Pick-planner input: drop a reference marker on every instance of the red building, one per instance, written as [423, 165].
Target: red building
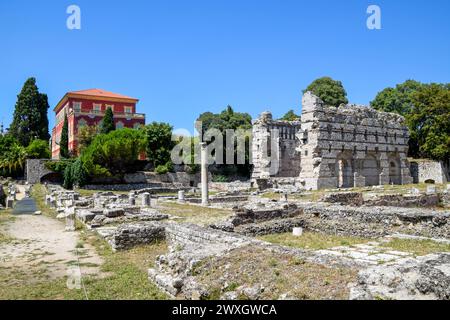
[87, 108]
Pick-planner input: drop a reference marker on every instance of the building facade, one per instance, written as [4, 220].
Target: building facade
[348, 146]
[87, 108]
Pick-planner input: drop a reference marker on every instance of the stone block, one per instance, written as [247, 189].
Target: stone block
[114, 213]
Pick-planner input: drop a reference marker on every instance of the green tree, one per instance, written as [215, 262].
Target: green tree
[229, 119]
[429, 120]
[30, 115]
[64, 142]
[398, 99]
[331, 92]
[159, 143]
[290, 116]
[38, 149]
[12, 162]
[114, 153]
[107, 124]
[86, 135]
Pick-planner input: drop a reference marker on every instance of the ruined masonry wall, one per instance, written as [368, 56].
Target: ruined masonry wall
[283, 150]
[351, 146]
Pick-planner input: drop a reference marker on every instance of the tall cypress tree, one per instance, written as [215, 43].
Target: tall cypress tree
[108, 122]
[30, 115]
[64, 142]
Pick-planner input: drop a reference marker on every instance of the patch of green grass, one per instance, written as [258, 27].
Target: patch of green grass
[194, 213]
[312, 240]
[417, 247]
[126, 272]
[38, 193]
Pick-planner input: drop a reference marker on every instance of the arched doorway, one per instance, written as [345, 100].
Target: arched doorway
[52, 178]
[394, 171]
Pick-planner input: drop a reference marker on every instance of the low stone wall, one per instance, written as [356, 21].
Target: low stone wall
[131, 235]
[372, 222]
[353, 198]
[406, 201]
[219, 199]
[246, 215]
[270, 227]
[234, 186]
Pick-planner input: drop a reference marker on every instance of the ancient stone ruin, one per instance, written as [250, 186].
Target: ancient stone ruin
[348, 146]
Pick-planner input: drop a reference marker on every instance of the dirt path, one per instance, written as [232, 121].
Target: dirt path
[39, 249]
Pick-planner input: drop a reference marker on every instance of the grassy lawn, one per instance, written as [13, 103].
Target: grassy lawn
[417, 247]
[125, 272]
[193, 213]
[312, 240]
[278, 273]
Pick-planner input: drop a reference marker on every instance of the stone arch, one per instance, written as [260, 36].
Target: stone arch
[52, 177]
[371, 170]
[395, 176]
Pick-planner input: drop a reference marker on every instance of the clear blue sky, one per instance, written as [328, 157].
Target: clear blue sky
[181, 58]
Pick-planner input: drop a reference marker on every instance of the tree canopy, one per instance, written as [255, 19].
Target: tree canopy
[290, 116]
[429, 121]
[107, 124]
[228, 119]
[159, 143]
[38, 149]
[331, 91]
[30, 115]
[398, 99]
[113, 153]
[64, 141]
[426, 108]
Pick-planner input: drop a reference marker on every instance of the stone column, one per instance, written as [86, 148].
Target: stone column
[204, 173]
[9, 202]
[341, 174]
[181, 196]
[70, 219]
[132, 199]
[146, 201]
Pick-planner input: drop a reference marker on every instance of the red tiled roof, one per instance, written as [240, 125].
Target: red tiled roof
[101, 93]
[94, 93]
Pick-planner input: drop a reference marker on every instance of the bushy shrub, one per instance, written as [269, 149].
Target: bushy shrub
[79, 173]
[113, 153]
[166, 168]
[38, 149]
[161, 169]
[58, 166]
[75, 174]
[68, 180]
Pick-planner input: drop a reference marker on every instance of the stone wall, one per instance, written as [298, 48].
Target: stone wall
[128, 236]
[351, 146]
[348, 146]
[425, 170]
[36, 170]
[373, 222]
[277, 158]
